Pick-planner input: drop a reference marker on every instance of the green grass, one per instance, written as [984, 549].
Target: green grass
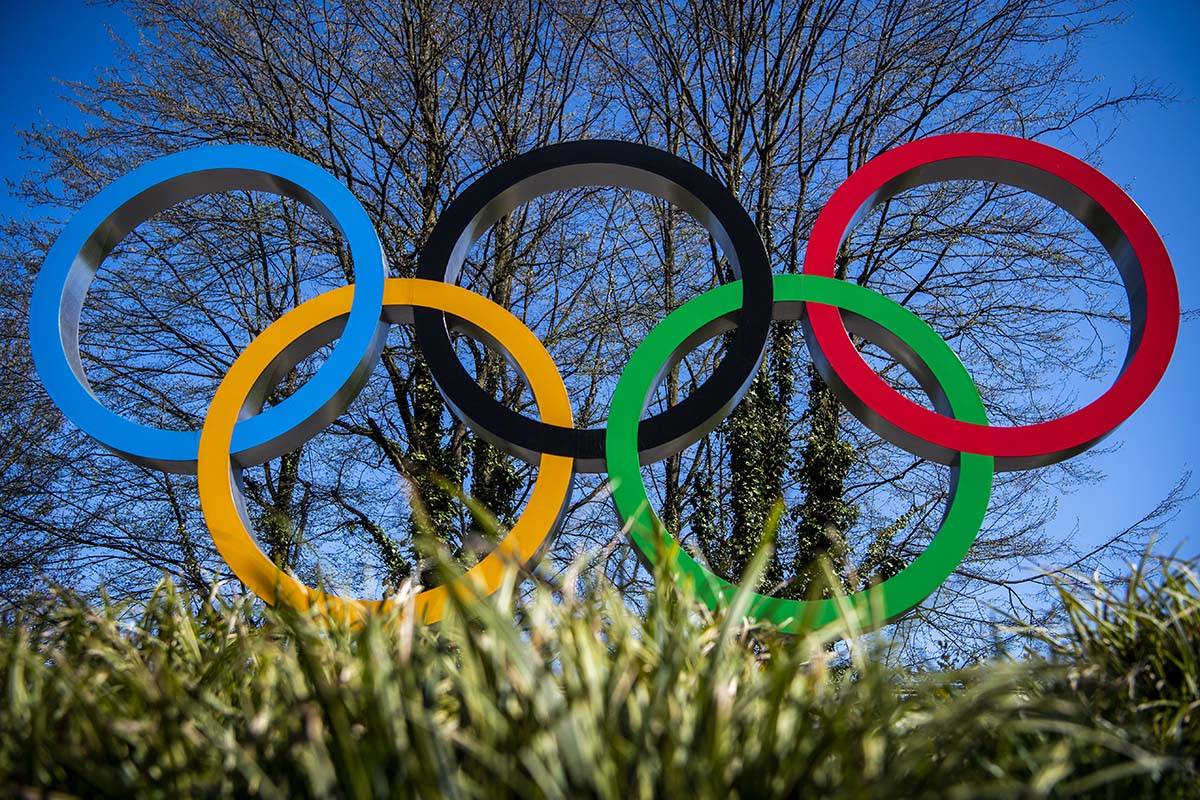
[581, 697]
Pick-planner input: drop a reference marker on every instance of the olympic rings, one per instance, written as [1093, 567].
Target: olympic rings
[1070, 184]
[597, 163]
[103, 222]
[297, 334]
[956, 433]
[936, 367]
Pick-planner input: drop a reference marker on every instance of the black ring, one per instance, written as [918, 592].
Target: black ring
[571, 165]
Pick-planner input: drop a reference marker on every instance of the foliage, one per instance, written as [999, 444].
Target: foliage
[1146, 646]
[571, 694]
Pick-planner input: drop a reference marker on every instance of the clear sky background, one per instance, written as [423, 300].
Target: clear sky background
[1154, 156]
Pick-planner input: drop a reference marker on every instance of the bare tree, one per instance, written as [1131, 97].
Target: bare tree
[407, 103]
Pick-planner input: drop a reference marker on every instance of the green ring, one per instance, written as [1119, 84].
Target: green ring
[873, 606]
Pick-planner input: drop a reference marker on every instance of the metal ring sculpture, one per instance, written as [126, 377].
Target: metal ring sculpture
[238, 432]
[604, 163]
[100, 226]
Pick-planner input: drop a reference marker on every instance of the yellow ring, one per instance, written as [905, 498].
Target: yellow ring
[220, 499]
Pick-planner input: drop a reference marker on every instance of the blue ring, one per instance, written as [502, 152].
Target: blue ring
[92, 233]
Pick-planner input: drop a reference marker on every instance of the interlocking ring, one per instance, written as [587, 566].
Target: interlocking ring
[597, 163]
[103, 222]
[955, 433]
[936, 368]
[296, 335]
[1073, 186]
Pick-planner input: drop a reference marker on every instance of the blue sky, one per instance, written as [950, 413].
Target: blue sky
[1153, 156]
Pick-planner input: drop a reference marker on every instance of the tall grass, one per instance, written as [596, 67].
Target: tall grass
[581, 697]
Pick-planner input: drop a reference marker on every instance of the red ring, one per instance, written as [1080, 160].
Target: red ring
[1044, 442]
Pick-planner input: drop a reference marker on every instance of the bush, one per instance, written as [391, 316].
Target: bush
[567, 697]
